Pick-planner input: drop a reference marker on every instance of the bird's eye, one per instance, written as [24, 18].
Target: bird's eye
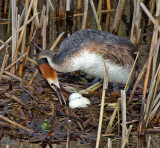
[52, 84]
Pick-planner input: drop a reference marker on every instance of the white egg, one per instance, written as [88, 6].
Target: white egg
[74, 95]
[76, 100]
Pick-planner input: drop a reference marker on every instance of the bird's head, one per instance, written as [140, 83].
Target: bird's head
[50, 75]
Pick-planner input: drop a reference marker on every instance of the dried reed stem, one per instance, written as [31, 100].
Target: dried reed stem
[148, 14]
[126, 139]
[35, 2]
[109, 143]
[99, 11]
[142, 72]
[123, 106]
[15, 124]
[79, 5]
[56, 41]
[14, 28]
[13, 76]
[136, 31]
[20, 29]
[34, 76]
[5, 60]
[23, 42]
[85, 14]
[22, 32]
[29, 45]
[95, 15]
[105, 85]
[112, 118]
[68, 133]
[154, 40]
[131, 71]
[22, 56]
[108, 14]
[118, 16]
[149, 142]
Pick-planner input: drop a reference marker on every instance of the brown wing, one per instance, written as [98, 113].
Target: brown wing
[118, 53]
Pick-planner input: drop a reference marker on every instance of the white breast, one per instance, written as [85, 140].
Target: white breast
[93, 64]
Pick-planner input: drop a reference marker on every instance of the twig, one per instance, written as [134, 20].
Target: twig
[22, 56]
[16, 99]
[13, 76]
[34, 76]
[15, 124]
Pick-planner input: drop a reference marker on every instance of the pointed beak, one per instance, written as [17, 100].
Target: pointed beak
[51, 76]
[54, 84]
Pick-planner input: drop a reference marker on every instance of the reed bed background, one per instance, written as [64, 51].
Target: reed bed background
[28, 22]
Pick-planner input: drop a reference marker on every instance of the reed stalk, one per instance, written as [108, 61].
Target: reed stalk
[9, 20]
[95, 15]
[22, 56]
[136, 31]
[35, 2]
[155, 106]
[154, 40]
[109, 143]
[85, 14]
[56, 41]
[148, 14]
[108, 2]
[156, 55]
[123, 106]
[14, 28]
[105, 86]
[41, 18]
[126, 139]
[79, 4]
[22, 32]
[112, 117]
[5, 60]
[142, 72]
[44, 32]
[5, 7]
[118, 16]
[99, 11]
[151, 97]
[149, 142]
[20, 29]
[151, 8]
[29, 44]
[23, 42]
